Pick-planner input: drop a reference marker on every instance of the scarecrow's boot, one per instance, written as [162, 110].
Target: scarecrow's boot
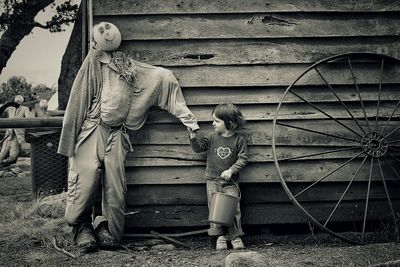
[104, 238]
[84, 238]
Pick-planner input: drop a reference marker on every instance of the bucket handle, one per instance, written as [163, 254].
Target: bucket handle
[237, 186]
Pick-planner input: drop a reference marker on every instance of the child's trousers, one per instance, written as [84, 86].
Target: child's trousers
[235, 230]
[99, 154]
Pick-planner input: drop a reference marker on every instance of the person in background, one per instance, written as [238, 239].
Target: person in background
[53, 101]
[43, 105]
[14, 138]
[226, 156]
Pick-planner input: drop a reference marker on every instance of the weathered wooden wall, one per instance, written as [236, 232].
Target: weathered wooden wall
[248, 52]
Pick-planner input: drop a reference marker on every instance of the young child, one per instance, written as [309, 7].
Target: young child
[226, 156]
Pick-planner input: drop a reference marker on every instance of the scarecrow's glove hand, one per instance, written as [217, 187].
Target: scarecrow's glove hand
[192, 134]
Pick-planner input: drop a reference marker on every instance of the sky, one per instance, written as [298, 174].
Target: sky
[38, 56]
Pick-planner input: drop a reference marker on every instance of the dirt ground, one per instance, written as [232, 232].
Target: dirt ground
[25, 240]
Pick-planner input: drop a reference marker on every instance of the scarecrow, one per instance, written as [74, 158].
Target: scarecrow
[111, 93]
[13, 138]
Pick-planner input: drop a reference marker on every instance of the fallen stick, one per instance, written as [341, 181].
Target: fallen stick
[127, 250]
[171, 239]
[387, 264]
[195, 232]
[62, 250]
[124, 247]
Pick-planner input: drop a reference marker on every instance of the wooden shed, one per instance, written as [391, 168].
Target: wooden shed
[247, 53]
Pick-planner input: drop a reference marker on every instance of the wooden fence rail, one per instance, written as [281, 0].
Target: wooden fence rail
[42, 122]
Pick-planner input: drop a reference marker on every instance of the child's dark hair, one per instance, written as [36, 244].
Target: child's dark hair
[231, 116]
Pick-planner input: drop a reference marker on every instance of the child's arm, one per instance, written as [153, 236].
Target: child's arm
[242, 159]
[198, 144]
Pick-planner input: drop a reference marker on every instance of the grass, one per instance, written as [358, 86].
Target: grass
[388, 230]
[36, 223]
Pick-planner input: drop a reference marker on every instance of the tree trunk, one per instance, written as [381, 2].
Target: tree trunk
[15, 32]
[71, 62]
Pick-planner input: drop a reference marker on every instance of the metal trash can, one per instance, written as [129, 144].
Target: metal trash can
[49, 170]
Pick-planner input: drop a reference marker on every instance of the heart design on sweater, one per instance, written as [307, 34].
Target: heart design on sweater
[223, 152]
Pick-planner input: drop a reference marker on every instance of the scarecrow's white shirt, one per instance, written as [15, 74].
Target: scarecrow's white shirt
[115, 97]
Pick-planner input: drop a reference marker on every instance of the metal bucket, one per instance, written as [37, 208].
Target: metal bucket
[223, 208]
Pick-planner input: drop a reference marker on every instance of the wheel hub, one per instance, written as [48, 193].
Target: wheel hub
[374, 145]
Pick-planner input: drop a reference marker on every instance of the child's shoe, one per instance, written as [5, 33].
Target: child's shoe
[237, 243]
[221, 243]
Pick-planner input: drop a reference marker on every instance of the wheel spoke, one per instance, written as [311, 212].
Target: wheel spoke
[338, 98]
[393, 157]
[317, 132]
[345, 191]
[395, 149]
[323, 112]
[379, 94]
[388, 198]
[391, 115]
[358, 92]
[393, 141]
[393, 170]
[330, 173]
[367, 199]
[392, 132]
[320, 153]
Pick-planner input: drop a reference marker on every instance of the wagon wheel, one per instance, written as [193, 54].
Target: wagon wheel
[336, 143]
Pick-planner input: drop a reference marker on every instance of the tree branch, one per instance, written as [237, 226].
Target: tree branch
[17, 20]
[61, 249]
[59, 22]
[39, 25]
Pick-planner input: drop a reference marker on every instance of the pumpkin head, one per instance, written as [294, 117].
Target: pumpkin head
[106, 36]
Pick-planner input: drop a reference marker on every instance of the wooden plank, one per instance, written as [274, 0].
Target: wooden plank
[272, 95]
[267, 25]
[146, 7]
[289, 111]
[279, 75]
[42, 122]
[166, 216]
[283, 134]
[197, 96]
[255, 214]
[349, 211]
[256, 153]
[177, 172]
[255, 133]
[254, 51]
[183, 153]
[264, 193]
[84, 29]
[195, 194]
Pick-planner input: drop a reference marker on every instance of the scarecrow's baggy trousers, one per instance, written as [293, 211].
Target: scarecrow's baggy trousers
[99, 156]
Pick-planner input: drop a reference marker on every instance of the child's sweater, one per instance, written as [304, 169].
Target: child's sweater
[223, 153]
